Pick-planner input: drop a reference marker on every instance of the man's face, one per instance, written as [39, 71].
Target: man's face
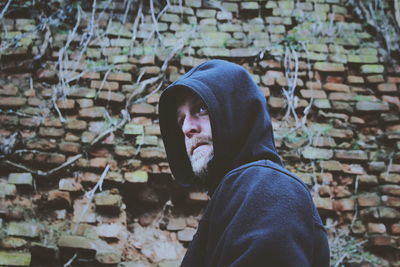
[194, 121]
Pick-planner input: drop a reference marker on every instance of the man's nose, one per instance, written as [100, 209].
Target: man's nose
[190, 126]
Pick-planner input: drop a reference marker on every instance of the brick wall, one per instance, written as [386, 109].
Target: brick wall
[84, 175]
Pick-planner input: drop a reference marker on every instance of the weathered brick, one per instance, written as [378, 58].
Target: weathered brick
[12, 101]
[368, 200]
[186, 235]
[111, 96]
[69, 147]
[55, 158]
[345, 204]
[391, 178]
[317, 153]
[351, 154]
[362, 59]
[143, 108]
[393, 190]
[341, 133]
[323, 203]
[133, 128]
[120, 76]
[51, 132]
[153, 153]
[66, 104]
[336, 87]
[372, 106]
[316, 94]
[104, 85]
[70, 184]
[387, 87]
[368, 69]
[10, 120]
[73, 124]
[23, 229]
[329, 67]
[125, 151]
[391, 201]
[376, 228]
[94, 112]
[136, 176]
[59, 199]
[367, 179]
[11, 258]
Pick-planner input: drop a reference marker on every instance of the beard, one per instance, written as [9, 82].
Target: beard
[201, 156]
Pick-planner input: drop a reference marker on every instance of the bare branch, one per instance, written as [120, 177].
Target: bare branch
[3, 12]
[45, 173]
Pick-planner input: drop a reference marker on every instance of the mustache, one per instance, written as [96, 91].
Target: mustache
[198, 140]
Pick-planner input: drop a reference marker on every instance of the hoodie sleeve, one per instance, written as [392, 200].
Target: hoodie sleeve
[262, 217]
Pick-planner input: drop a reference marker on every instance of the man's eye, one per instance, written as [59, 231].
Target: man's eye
[203, 110]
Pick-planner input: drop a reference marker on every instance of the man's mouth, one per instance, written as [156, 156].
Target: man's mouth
[196, 146]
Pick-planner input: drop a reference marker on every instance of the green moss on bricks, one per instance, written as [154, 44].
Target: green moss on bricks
[132, 128]
[136, 177]
[15, 258]
[366, 69]
[362, 58]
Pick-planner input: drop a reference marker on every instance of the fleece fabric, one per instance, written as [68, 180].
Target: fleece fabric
[259, 214]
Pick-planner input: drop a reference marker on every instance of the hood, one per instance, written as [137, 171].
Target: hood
[240, 122]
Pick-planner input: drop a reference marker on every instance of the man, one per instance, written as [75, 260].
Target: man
[216, 128]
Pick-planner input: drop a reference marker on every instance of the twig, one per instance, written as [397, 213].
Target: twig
[3, 12]
[45, 173]
[125, 118]
[90, 194]
[71, 260]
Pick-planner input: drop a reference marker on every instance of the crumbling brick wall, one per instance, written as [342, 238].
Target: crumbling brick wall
[84, 175]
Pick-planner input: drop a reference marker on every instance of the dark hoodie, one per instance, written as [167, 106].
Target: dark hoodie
[259, 213]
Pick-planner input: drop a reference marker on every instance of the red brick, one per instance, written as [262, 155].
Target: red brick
[12, 101]
[55, 158]
[91, 75]
[387, 87]
[8, 120]
[72, 124]
[393, 79]
[345, 204]
[66, 104]
[85, 103]
[351, 154]
[9, 89]
[317, 94]
[94, 112]
[70, 184]
[98, 163]
[51, 132]
[342, 96]
[336, 87]
[152, 129]
[36, 102]
[41, 144]
[375, 79]
[334, 79]
[59, 199]
[342, 191]
[153, 153]
[110, 96]
[395, 229]
[100, 152]
[314, 85]
[393, 190]
[69, 147]
[376, 228]
[381, 240]
[368, 200]
[153, 99]
[392, 100]
[52, 122]
[120, 76]
[151, 70]
[113, 86]
[391, 201]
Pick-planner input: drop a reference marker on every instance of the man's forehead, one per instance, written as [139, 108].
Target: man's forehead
[187, 97]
